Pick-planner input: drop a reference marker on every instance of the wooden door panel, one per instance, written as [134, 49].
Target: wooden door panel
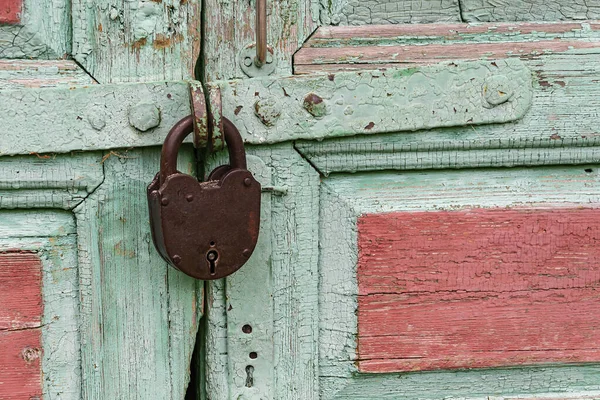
[458, 269]
[477, 288]
[39, 339]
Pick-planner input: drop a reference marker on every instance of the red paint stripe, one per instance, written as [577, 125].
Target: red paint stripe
[478, 288]
[20, 326]
[10, 11]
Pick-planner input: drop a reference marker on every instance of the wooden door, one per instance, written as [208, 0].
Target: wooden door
[428, 219]
[88, 310]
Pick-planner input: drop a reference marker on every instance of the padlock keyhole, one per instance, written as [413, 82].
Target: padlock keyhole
[212, 257]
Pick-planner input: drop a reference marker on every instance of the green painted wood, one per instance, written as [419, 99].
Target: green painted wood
[559, 128]
[48, 181]
[344, 197]
[138, 317]
[17, 74]
[249, 302]
[374, 12]
[343, 104]
[51, 234]
[135, 41]
[230, 28]
[293, 294]
[529, 10]
[44, 31]
[90, 118]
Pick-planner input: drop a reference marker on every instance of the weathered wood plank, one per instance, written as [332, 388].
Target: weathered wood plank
[315, 107]
[528, 10]
[470, 289]
[43, 31]
[139, 317]
[249, 305]
[294, 336]
[231, 27]
[16, 74]
[135, 41]
[548, 382]
[20, 325]
[334, 49]
[91, 118]
[372, 12]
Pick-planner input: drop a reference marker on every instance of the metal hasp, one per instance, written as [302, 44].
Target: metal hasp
[207, 230]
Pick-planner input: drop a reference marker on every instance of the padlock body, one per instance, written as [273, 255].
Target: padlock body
[207, 230]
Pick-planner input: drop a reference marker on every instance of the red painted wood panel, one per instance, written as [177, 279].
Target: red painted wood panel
[20, 326]
[10, 11]
[478, 288]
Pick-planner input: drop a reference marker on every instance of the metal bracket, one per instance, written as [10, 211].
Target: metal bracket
[248, 64]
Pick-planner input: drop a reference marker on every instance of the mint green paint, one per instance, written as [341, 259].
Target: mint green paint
[249, 300]
[51, 234]
[43, 33]
[139, 317]
[377, 101]
[374, 12]
[529, 10]
[61, 120]
[131, 41]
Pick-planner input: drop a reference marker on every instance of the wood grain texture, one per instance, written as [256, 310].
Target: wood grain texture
[529, 10]
[373, 12]
[20, 291]
[231, 27]
[87, 118]
[133, 41]
[10, 11]
[345, 197]
[334, 49]
[17, 74]
[21, 311]
[474, 289]
[43, 31]
[375, 101]
[139, 317]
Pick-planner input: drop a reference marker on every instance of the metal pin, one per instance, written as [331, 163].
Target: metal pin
[261, 33]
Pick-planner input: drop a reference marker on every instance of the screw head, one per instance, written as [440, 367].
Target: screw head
[164, 201]
[176, 259]
[189, 197]
[247, 181]
[246, 253]
[247, 61]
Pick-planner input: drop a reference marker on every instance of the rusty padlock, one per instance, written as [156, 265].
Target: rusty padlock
[207, 230]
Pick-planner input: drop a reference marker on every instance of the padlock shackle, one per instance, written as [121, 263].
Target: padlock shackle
[173, 141]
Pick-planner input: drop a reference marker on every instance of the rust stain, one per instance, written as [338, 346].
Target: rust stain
[555, 136]
[370, 126]
[560, 83]
[331, 77]
[163, 41]
[238, 109]
[139, 43]
[99, 27]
